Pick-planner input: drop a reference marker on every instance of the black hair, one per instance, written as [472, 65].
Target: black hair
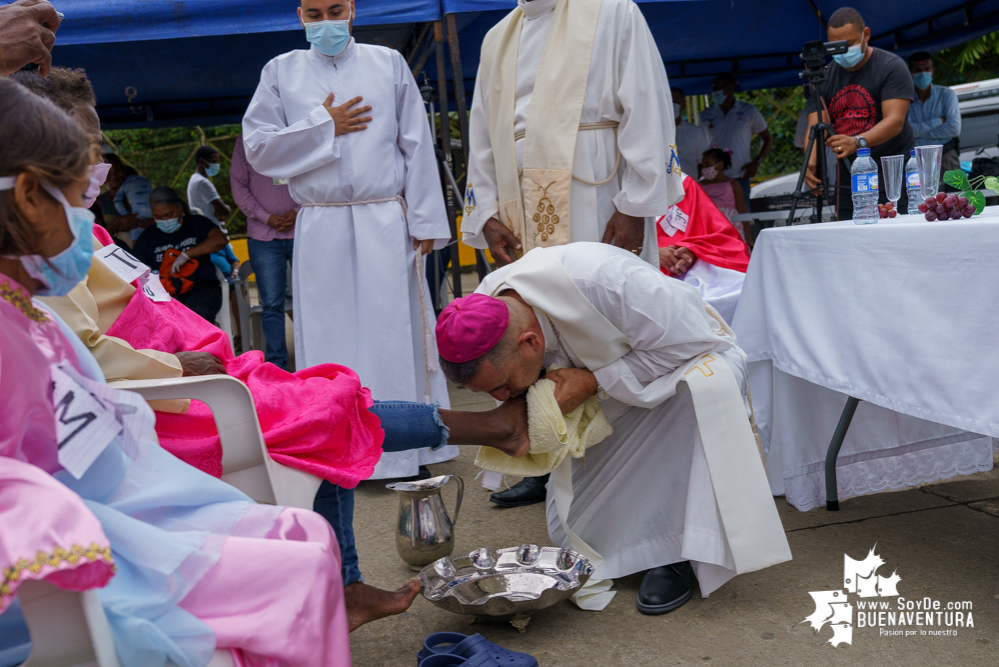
[676, 89]
[205, 153]
[719, 155]
[726, 78]
[846, 15]
[167, 195]
[919, 56]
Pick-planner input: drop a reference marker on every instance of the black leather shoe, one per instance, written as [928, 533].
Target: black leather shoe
[665, 589]
[528, 491]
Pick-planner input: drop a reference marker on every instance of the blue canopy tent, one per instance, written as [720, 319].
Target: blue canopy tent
[758, 39]
[186, 62]
[175, 62]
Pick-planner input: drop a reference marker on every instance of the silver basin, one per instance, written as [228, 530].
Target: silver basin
[505, 584]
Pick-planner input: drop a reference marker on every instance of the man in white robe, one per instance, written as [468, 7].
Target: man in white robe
[625, 169]
[630, 153]
[372, 206]
[671, 485]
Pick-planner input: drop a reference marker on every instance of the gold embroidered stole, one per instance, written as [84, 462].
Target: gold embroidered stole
[539, 216]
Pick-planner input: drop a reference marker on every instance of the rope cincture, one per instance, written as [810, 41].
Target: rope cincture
[583, 127]
[428, 364]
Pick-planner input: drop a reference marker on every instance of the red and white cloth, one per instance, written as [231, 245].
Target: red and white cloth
[696, 223]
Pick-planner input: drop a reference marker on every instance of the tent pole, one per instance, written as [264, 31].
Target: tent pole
[424, 48]
[446, 154]
[459, 86]
[417, 43]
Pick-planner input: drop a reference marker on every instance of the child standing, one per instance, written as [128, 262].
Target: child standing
[725, 192]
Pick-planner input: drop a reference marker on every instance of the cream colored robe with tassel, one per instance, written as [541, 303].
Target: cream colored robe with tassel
[625, 83]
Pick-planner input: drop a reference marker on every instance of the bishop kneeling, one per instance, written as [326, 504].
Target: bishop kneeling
[679, 488]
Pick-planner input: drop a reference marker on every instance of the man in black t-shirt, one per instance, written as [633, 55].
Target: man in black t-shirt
[867, 94]
[179, 247]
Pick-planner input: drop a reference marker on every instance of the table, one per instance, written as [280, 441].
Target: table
[901, 315]
[781, 216]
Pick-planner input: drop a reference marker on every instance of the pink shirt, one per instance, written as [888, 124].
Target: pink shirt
[721, 194]
[258, 197]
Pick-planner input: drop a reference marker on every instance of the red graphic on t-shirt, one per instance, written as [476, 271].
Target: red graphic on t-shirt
[853, 110]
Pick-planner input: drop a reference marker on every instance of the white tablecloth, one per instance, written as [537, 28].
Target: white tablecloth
[903, 314]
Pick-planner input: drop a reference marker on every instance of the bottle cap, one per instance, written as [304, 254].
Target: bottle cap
[912, 153]
[863, 152]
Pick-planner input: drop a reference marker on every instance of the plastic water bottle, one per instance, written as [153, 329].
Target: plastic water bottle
[864, 182]
[912, 183]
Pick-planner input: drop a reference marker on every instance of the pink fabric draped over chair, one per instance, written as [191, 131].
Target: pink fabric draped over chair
[316, 419]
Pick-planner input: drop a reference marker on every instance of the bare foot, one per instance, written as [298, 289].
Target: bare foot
[512, 415]
[366, 603]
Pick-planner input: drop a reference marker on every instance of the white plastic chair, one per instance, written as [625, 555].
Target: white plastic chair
[224, 317]
[70, 629]
[249, 315]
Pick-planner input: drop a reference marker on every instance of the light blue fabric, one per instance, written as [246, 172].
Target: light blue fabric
[15, 644]
[133, 197]
[166, 522]
[223, 259]
[927, 117]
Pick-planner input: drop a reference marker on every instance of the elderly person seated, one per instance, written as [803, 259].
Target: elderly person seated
[179, 246]
[199, 566]
[680, 481]
[698, 245]
[320, 420]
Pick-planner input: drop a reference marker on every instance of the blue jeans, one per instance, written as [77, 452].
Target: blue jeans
[407, 426]
[270, 260]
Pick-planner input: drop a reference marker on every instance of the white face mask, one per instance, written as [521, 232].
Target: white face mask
[676, 110]
[98, 175]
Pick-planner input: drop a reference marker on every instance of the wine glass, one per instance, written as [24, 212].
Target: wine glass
[893, 167]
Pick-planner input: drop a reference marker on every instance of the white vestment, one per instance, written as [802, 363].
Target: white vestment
[644, 497]
[627, 84]
[357, 290]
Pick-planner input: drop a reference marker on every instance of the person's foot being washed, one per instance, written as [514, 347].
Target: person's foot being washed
[366, 603]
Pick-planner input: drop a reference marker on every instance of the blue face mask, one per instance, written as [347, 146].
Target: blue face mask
[168, 226]
[213, 169]
[852, 57]
[61, 273]
[329, 37]
[922, 80]
[719, 96]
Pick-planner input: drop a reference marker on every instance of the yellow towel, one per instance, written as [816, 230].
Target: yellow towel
[553, 435]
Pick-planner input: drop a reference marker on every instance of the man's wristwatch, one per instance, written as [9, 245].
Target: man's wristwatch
[861, 142]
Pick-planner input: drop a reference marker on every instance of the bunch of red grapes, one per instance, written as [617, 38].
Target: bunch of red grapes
[887, 210]
[946, 207]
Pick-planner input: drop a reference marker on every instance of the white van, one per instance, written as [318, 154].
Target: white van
[979, 104]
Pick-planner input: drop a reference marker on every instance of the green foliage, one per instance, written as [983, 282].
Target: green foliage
[956, 178]
[166, 157]
[976, 60]
[780, 108]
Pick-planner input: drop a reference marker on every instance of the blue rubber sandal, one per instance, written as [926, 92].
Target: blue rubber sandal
[478, 650]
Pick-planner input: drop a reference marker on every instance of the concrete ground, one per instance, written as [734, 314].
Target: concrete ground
[942, 539]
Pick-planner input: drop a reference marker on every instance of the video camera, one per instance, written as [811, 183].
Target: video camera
[813, 54]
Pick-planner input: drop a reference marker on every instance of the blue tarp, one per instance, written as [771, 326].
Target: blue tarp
[105, 21]
[172, 62]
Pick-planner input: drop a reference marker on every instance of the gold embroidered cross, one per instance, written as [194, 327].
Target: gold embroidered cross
[706, 370]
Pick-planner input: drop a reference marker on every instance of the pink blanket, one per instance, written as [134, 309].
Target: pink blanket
[316, 420]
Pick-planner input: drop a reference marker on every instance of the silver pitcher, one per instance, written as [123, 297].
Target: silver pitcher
[425, 532]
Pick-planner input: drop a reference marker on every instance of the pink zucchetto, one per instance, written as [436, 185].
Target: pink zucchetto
[471, 326]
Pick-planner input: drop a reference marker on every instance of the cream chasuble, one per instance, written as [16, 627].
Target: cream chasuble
[556, 148]
[698, 489]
